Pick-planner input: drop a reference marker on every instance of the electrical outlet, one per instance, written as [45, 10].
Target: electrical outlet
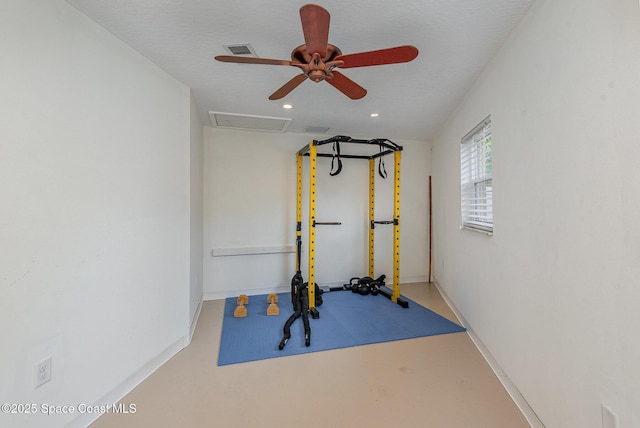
[609, 419]
[43, 372]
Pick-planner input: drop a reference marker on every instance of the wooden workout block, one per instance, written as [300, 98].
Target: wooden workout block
[272, 298]
[240, 312]
[273, 309]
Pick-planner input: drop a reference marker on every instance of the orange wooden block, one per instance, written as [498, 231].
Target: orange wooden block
[273, 309]
[240, 312]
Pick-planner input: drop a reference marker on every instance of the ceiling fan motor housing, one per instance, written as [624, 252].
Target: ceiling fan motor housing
[316, 67]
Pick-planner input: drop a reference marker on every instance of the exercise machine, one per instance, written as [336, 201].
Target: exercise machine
[306, 296]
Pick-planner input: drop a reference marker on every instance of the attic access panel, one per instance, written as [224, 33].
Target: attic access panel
[249, 122]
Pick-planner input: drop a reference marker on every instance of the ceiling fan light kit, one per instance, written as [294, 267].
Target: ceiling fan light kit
[318, 59]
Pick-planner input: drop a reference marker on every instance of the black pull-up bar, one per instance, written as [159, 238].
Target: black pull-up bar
[326, 223]
[394, 221]
[386, 147]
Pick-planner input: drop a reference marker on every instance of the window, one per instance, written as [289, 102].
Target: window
[476, 182]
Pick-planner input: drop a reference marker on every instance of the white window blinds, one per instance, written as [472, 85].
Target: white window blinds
[476, 178]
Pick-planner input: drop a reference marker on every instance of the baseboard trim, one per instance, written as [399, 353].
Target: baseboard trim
[224, 294]
[194, 323]
[125, 387]
[513, 391]
[412, 279]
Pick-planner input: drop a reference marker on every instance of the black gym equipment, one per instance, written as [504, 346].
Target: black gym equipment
[306, 298]
[367, 285]
[300, 302]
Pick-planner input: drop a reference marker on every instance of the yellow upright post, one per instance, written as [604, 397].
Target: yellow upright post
[313, 151]
[372, 195]
[299, 209]
[396, 228]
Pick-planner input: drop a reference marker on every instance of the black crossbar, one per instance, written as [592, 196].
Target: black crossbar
[389, 145]
[373, 223]
[326, 223]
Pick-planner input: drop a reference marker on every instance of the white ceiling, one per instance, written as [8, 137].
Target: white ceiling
[455, 38]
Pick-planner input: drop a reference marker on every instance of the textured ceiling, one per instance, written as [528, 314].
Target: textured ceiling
[455, 38]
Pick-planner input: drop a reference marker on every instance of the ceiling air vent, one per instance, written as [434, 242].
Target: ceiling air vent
[241, 49]
[249, 122]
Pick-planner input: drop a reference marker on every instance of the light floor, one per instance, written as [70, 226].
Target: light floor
[431, 382]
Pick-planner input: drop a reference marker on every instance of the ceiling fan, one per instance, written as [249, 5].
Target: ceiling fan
[318, 59]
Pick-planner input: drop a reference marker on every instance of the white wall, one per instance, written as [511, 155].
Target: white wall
[196, 209]
[554, 294]
[95, 218]
[250, 185]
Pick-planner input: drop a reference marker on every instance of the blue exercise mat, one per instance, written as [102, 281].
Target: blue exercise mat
[346, 319]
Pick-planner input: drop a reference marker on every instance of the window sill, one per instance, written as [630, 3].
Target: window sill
[473, 229]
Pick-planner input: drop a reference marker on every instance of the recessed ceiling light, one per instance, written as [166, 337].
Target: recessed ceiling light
[287, 106]
[374, 115]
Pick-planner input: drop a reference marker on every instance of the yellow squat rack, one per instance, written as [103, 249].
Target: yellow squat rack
[384, 147]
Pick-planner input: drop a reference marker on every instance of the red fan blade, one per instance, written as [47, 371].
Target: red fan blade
[379, 57]
[288, 87]
[346, 85]
[315, 26]
[252, 60]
